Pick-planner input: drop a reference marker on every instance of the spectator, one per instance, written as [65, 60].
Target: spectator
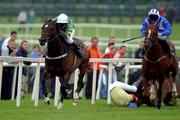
[104, 86]
[119, 65]
[1, 41]
[162, 11]
[31, 17]
[138, 52]
[7, 76]
[22, 19]
[12, 37]
[23, 52]
[36, 53]
[171, 15]
[112, 39]
[94, 52]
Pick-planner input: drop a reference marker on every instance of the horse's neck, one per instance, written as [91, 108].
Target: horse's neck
[56, 48]
[155, 52]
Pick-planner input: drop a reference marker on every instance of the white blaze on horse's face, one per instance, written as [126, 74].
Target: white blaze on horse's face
[149, 33]
[46, 26]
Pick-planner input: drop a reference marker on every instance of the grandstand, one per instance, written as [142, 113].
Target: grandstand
[87, 9]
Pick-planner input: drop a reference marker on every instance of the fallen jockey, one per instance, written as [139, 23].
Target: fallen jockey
[120, 97]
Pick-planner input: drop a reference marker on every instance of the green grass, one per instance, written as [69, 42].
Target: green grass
[84, 111]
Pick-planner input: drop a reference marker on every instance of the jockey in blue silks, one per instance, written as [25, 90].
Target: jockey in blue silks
[164, 30]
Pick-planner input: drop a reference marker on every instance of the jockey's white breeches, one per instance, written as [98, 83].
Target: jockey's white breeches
[162, 37]
[70, 39]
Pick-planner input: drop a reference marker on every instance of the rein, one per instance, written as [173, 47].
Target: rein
[53, 38]
[58, 57]
[156, 61]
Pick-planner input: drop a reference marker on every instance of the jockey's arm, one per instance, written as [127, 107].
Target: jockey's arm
[54, 19]
[168, 29]
[70, 28]
[144, 27]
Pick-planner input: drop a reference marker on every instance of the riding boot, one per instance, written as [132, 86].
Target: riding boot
[77, 49]
[141, 54]
[167, 48]
[118, 71]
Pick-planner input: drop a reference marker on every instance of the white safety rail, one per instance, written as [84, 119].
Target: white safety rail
[36, 62]
[39, 62]
[19, 63]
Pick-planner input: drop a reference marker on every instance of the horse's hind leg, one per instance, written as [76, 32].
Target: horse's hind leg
[82, 69]
[173, 75]
[159, 93]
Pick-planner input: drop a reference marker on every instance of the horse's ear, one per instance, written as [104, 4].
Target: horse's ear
[149, 26]
[157, 26]
[47, 19]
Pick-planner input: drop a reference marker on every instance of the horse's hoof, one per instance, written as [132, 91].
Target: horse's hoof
[47, 101]
[152, 97]
[76, 100]
[158, 106]
[174, 94]
[74, 103]
[60, 106]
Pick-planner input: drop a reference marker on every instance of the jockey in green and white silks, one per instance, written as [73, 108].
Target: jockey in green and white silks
[67, 30]
[164, 30]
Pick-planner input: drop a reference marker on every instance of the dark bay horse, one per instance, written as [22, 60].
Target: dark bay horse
[60, 58]
[157, 67]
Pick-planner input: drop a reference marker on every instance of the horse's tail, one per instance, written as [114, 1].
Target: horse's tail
[79, 42]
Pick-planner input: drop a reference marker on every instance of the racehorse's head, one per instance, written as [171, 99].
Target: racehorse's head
[151, 36]
[48, 31]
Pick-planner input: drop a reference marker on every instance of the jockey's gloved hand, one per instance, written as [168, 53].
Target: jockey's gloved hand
[63, 34]
[159, 34]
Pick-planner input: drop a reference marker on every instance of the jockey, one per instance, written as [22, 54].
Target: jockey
[164, 30]
[66, 30]
[119, 96]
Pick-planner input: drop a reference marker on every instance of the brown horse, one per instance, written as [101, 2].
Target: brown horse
[157, 67]
[61, 59]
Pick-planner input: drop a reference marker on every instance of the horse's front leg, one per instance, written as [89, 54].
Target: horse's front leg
[153, 92]
[174, 90]
[159, 93]
[145, 85]
[64, 83]
[44, 77]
